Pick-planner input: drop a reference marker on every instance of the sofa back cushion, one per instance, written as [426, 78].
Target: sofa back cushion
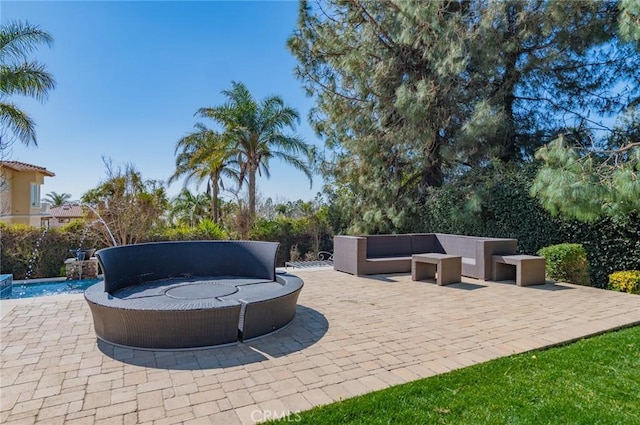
[388, 246]
[422, 243]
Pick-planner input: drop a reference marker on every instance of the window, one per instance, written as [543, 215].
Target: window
[35, 195]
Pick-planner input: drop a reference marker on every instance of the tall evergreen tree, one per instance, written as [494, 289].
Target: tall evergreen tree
[410, 94]
[385, 92]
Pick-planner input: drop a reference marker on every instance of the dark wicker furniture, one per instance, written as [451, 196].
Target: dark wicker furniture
[169, 295]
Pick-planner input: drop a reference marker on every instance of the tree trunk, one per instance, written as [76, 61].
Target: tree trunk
[252, 194]
[214, 198]
[508, 151]
[432, 175]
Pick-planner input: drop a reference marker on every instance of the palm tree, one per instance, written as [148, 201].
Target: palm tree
[57, 199]
[20, 76]
[257, 130]
[190, 208]
[205, 155]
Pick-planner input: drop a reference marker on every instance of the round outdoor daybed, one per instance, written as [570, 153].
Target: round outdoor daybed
[168, 295]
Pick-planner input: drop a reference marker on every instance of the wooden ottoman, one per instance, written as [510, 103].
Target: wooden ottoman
[425, 266]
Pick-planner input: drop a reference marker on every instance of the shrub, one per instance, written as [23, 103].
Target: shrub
[27, 251]
[566, 262]
[296, 235]
[625, 281]
[208, 229]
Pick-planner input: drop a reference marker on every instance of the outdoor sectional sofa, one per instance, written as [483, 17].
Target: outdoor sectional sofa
[379, 254]
[168, 295]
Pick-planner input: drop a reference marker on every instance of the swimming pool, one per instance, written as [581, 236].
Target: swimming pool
[28, 289]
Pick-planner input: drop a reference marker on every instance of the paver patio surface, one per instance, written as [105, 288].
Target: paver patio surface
[351, 335]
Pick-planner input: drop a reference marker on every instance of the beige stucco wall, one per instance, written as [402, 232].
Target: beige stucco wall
[15, 201]
[6, 177]
[20, 193]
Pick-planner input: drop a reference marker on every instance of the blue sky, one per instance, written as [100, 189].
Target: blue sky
[131, 75]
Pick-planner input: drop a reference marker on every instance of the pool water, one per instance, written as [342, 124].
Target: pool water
[41, 289]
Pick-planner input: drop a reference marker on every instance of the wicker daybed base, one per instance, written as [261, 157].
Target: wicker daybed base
[162, 321]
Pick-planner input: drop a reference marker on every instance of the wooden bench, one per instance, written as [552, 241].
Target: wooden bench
[526, 270]
[425, 266]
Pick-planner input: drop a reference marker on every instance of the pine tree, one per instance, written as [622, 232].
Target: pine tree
[584, 180]
[411, 94]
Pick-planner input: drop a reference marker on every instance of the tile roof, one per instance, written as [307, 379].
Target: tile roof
[70, 211]
[23, 166]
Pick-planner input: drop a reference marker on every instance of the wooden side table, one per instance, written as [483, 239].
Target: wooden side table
[448, 267]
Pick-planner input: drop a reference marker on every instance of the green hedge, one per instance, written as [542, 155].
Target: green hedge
[18, 253]
[30, 252]
[611, 245]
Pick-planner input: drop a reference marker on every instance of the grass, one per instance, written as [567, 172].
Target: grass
[591, 381]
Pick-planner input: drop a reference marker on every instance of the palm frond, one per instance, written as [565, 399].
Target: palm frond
[18, 39]
[295, 162]
[18, 122]
[19, 76]
[26, 79]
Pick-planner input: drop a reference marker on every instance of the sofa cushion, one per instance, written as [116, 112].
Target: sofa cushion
[424, 242]
[388, 246]
[388, 265]
[389, 259]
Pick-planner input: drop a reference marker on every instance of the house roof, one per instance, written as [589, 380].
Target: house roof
[23, 166]
[66, 211]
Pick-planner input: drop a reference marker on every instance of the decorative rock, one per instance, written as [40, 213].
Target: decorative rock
[77, 270]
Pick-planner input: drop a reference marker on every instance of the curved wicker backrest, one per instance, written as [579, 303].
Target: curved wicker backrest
[133, 264]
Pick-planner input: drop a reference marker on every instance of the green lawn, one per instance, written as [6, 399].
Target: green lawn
[592, 381]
